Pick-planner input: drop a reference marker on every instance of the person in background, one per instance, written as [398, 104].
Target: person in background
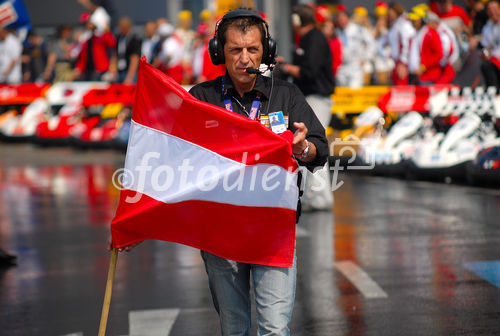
[203, 67]
[38, 62]
[451, 49]
[169, 53]
[383, 62]
[202, 33]
[417, 18]
[79, 36]
[457, 19]
[200, 44]
[61, 46]
[207, 17]
[125, 62]
[160, 21]
[451, 54]
[149, 41]
[186, 35]
[490, 46]
[454, 16]
[312, 72]
[429, 48]
[360, 16]
[381, 26]
[478, 15]
[10, 57]
[353, 38]
[399, 36]
[327, 27]
[93, 61]
[163, 31]
[107, 5]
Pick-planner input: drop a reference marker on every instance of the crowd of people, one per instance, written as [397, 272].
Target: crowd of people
[97, 48]
[427, 44]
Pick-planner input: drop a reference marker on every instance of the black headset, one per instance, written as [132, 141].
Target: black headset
[216, 49]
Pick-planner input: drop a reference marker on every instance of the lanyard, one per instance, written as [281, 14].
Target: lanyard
[229, 105]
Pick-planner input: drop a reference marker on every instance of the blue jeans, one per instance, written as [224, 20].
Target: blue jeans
[274, 289]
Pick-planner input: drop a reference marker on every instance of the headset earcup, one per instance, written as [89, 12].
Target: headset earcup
[270, 52]
[215, 51]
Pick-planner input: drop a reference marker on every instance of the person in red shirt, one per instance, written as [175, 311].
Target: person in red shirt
[93, 60]
[327, 27]
[457, 19]
[431, 52]
[449, 12]
[208, 71]
[335, 45]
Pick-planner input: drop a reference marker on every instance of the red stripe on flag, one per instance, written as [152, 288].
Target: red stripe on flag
[256, 235]
[164, 105]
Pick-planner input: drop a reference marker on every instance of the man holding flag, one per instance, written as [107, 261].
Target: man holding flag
[242, 42]
[233, 147]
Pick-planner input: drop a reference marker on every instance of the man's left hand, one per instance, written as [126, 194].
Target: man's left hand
[299, 143]
[299, 138]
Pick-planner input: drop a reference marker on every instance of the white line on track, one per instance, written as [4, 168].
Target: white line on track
[154, 322]
[361, 280]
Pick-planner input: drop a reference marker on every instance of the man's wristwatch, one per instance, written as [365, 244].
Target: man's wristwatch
[305, 152]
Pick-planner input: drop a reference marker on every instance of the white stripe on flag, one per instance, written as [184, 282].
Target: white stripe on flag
[154, 322]
[171, 170]
[360, 279]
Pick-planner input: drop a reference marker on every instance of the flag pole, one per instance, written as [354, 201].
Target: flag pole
[107, 295]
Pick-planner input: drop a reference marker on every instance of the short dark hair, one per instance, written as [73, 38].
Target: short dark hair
[241, 23]
[397, 7]
[306, 14]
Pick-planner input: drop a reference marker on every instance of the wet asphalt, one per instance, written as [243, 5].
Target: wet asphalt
[394, 257]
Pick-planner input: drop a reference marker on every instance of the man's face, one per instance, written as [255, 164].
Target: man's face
[242, 50]
[342, 20]
[328, 29]
[149, 29]
[125, 26]
[417, 24]
[392, 15]
[493, 10]
[444, 6]
[433, 24]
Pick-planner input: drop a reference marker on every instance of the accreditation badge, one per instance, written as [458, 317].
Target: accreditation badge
[264, 120]
[277, 122]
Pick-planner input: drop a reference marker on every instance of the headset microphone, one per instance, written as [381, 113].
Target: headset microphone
[253, 71]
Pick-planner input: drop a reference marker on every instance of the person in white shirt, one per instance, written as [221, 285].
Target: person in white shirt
[357, 45]
[451, 53]
[383, 62]
[149, 40]
[419, 16]
[171, 53]
[490, 43]
[399, 36]
[10, 57]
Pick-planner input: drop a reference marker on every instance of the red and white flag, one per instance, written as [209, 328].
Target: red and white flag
[199, 175]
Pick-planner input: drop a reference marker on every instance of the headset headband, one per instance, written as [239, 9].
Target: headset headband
[215, 46]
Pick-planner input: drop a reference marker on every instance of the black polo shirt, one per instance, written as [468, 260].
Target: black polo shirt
[314, 58]
[284, 97]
